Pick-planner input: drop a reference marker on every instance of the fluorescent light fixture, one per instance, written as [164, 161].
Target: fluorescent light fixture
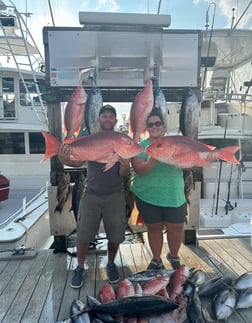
[130, 19]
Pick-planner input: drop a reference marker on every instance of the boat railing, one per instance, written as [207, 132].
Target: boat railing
[26, 208]
[23, 54]
[217, 95]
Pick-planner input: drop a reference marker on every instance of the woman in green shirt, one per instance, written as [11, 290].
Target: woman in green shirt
[160, 198]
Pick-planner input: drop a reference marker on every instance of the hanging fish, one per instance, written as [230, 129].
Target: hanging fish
[140, 108]
[74, 113]
[63, 192]
[189, 115]
[160, 103]
[93, 106]
[78, 189]
[189, 126]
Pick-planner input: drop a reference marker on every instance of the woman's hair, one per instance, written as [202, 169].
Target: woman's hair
[155, 112]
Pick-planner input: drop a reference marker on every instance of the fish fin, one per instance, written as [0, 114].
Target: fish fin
[210, 147]
[228, 154]
[52, 146]
[108, 166]
[139, 220]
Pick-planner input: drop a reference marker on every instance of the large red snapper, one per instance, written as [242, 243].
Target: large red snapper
[74, 112]
[155, 285]
[185, 152]
[140, 108]
[106, 294]
[105, 147]
[177, 280]
[125, 288]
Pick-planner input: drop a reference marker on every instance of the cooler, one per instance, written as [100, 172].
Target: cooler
[4, 188]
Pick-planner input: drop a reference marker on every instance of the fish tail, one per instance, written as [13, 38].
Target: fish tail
[52, 146]
[228, 154]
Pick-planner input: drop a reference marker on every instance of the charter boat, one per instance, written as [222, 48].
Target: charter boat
[24, 218]
[226, 120]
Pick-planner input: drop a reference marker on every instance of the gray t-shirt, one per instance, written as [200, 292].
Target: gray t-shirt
[102, 182]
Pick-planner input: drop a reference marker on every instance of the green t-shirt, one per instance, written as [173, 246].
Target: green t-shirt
[163, 185]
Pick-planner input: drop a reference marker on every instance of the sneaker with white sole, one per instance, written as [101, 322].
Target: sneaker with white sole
[77, 279]
[154, 264]
[174, 261]
[112, 273]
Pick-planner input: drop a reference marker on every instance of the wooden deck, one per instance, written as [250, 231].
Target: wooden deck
[38, 289]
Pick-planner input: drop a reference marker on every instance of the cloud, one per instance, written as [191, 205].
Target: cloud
[100, 5]
[226, 9]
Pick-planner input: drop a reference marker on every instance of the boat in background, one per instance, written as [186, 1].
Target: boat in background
[24, 215]
[226, 120]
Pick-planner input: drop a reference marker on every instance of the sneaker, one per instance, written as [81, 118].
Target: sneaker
[154, 264]
[174, 261]
[112, 273]
[77, 279]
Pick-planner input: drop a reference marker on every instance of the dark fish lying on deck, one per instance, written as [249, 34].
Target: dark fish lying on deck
[145, 275]
[224, 303]
[244, 299]
[196, 278]
[77, 312]
[103, 317]
[136, 306]
[193, 309]
[213, 286]
[244, 281]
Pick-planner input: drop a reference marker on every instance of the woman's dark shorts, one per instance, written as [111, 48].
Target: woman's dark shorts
[155, 214]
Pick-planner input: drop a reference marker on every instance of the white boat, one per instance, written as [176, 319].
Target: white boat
[24, 217]
[226, 120]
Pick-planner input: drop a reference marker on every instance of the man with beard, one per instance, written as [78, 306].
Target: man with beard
[103, 199]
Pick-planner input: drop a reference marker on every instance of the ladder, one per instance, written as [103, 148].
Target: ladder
[27, 60]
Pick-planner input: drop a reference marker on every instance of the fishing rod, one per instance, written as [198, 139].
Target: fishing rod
[229, 206]
[219, 177]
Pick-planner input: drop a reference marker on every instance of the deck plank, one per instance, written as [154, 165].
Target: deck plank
[60, 266]
[38, 289]
[13, 281]
[27, 282]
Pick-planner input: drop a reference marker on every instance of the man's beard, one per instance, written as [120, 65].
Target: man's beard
[107, 127]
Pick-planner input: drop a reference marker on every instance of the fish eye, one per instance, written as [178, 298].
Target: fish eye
[159, 145]
[130, 143]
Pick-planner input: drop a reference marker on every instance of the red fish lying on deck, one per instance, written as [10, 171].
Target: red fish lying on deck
[104, 147]
[185, 152]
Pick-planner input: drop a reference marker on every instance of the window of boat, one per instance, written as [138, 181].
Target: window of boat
[36, 143]
[246, 146]
[12, 143]
[28, 91]
[8, 93]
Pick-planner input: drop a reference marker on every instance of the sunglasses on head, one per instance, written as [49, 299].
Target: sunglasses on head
[152, 124]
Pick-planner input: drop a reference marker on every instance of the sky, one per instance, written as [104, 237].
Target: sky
[185, 14]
